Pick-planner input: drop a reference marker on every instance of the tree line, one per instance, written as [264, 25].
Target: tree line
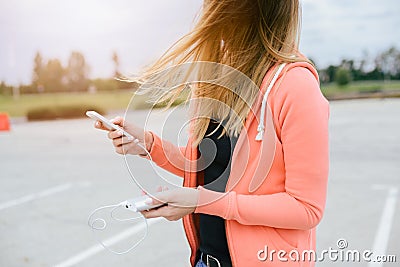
[385, 66]
[51, 76]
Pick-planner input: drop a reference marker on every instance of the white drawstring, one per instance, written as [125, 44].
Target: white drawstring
[261, 127]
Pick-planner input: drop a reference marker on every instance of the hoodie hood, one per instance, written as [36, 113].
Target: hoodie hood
[280, 71]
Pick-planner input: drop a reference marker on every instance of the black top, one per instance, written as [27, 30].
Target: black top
[216, 162]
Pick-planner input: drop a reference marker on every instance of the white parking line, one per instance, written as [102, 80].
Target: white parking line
[385, 224]
[34, 196]
[111, 241]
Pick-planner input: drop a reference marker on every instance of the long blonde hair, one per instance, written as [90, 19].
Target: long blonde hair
[250, 36]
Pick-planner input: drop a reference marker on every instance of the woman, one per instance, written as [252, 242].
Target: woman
[271, 159]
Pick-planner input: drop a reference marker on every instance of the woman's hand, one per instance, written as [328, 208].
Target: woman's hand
[181, 201]
[124, 145]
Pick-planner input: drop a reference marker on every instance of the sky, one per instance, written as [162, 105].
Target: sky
[140, 31]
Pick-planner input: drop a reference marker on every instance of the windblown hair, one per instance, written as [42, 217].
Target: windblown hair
[250, 36]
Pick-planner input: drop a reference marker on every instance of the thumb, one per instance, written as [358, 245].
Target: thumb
[161, 197]
[118, 121]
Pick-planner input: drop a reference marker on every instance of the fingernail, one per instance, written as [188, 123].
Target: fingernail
[97, 123]
[130, 138]
[120, 133]
[149, 201]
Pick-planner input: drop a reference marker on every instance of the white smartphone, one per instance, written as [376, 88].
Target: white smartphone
[107, 123]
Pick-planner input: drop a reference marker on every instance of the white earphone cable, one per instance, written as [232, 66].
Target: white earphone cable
[103, 224]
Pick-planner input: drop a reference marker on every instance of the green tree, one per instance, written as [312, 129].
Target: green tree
[342, 76]
[389, 63]
[54, 76]
[77, 72]
[115, 59]
[330, 71]
[5, 89]
[38, 72]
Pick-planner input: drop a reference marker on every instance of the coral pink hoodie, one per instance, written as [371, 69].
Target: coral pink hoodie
[276, 191]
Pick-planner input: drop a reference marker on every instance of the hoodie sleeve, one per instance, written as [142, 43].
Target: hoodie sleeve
[302, 113]
[167, 156]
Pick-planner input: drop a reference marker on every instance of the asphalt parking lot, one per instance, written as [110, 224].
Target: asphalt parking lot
[54, 174]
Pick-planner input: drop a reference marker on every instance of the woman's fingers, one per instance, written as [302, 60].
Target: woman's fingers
[123, 149]
[118, 121]
[157, 198]
[99, 125]
[120, 150]
[148, 214]
[114, 134]
[121, 141]
[122, 144]
[163, 195]
[170, 213]
[157, 212]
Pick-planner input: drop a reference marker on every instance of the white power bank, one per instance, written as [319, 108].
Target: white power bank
[139, 204]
